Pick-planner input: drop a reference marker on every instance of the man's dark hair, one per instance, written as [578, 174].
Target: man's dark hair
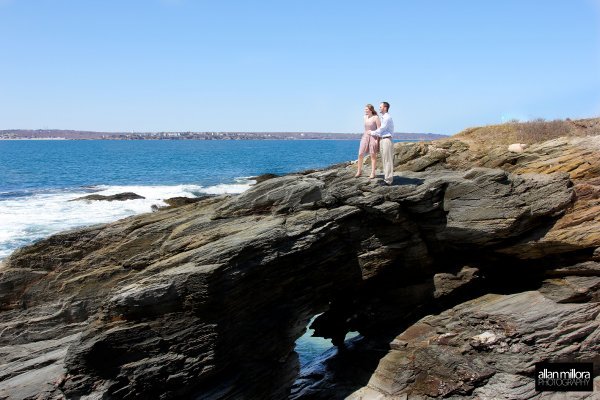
[386, 104]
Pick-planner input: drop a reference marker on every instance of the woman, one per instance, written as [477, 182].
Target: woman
[369, 144]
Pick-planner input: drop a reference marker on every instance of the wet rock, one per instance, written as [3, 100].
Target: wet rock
[114, 197]
[263, 177]
[182, 201]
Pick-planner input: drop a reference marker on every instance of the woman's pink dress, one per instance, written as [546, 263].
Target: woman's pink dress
[369, 144]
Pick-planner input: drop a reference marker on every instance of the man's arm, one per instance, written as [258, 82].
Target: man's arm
[384, 124]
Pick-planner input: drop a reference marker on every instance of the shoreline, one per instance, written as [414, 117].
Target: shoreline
[54, 134]
[208, 140]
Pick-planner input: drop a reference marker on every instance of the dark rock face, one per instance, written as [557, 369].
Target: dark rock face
[182, 201]
[115, 197]
[263, 177]
[206, 300]
[485, 348]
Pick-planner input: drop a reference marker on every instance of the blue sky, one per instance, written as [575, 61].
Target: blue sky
[179, 65]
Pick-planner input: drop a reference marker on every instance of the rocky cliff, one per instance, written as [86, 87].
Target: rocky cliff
[475, 264]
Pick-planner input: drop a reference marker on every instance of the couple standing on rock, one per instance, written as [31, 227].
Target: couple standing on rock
[378, 133]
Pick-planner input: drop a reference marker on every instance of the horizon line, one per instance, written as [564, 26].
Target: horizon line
[208, 131]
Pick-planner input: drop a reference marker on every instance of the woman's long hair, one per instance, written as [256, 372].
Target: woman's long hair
[371, 108]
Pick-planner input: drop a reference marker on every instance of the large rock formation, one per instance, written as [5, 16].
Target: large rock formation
[486, 347]
[206, 300]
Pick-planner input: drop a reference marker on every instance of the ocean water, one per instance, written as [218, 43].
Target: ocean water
[38, 178]
[309, 348]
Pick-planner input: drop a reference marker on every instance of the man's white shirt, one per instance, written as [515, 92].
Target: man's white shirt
[387, 127]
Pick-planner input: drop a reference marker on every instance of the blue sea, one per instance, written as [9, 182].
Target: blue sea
[38, 177]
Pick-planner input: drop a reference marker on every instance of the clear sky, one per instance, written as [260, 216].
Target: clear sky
[181, 65]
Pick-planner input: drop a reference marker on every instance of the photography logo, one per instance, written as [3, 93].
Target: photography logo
[564, 377]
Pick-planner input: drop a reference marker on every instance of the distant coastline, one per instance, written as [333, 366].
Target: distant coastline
[58, 134]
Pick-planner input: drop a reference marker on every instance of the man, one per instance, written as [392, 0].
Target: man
[386, 143]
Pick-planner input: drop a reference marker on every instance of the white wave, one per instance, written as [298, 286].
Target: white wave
[26, 219]
[226, 189]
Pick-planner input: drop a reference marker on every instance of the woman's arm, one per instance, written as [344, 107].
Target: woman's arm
[378, 122]
[381, 128]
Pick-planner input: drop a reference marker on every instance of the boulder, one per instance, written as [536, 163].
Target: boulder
[517, 147]
[114, 197]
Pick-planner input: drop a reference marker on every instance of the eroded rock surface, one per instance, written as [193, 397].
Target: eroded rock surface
[206, 300]
[471, 348]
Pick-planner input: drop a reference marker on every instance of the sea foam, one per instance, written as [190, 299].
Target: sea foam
[29, 216]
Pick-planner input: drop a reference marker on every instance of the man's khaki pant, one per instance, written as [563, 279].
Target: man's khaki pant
[387, 158]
